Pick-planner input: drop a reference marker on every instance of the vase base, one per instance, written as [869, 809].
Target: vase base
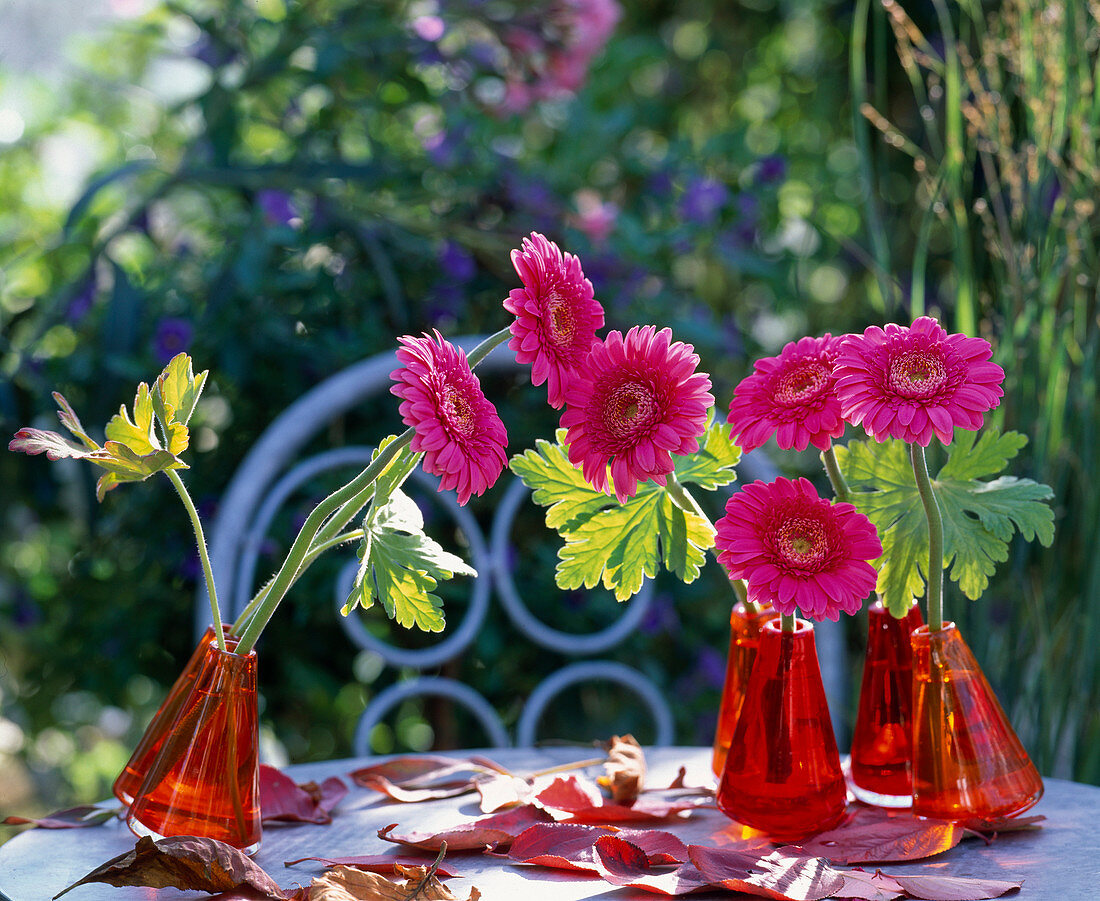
[877, 799]
[141, 830]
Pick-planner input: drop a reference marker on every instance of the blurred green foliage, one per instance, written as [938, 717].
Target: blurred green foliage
[283, 188]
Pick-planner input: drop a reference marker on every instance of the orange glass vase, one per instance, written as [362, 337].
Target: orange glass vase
[744, 640]
[968, 763]
[129, 780]
[204, 779]
[882, 739]
[782, 774]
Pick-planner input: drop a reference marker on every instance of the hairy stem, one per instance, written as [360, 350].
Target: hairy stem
[836, 478]
[935, 536]
[200, 540]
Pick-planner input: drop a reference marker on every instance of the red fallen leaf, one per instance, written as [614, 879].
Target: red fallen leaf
[184, 862]
[623, 864]
[73, 818]
[872, 835]
[283, 800]
[954, 888]
[864, 886]
[414, 779]
[578, 800]
[678, 782]
[568, 846]
[997, 825]
[498, 790]
[395, 792]
[375, 863]
[497, 830]
[779, 874]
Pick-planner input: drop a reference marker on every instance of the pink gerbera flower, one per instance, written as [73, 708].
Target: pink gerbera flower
[557, 315]
[636, 401]
[795, 549]
[457, 427]
[791, 396]
[911, 383]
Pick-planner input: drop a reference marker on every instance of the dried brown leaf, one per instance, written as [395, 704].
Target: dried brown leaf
[351, 884]
[187, 863]
[624, 771]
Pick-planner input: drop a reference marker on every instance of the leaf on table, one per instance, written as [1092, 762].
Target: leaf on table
[989, 829]
[72, 818]
[579, 800]
[500, 790]
[780, 874]
[625, 865]
[875, 835]
[954, 888]
[863, 886]
[283, 800]
[495, 831]
[187, 863]
[385, 864]
[353, 884]
[424, 777]
[624, 771]
[569, 846]
[980, 517]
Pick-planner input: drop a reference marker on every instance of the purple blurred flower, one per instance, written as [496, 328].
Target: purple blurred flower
[703, 200]
[428, 28]
[276, 206]
[173, 336]
[456, 262]
[81, 302]
[661, 618]
[26, 612]
[748, 207]
[445, 302]
[771, 169]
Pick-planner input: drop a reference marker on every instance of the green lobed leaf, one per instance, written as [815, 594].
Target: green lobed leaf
[395, 473]
[138, 434]
[557, 484]
[71, 421]
[712, 466]
[177, 390]
[980, 517]
[619, 545]
[400, 566]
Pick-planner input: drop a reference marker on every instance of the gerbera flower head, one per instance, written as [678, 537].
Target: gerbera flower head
[795, 549]
[633, 403]
[913, 382]
[557, 315]
[457, 426]
[791, 396]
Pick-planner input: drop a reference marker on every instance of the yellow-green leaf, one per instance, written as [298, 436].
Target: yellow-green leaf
[179, 388]
[557, 484]
[712, 466]
[138, 434]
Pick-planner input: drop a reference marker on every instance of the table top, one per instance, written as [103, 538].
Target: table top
[1060, 861]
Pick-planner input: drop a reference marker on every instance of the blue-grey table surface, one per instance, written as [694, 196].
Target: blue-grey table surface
[1061, 860]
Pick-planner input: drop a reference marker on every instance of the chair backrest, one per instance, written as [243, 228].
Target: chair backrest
[275, 468]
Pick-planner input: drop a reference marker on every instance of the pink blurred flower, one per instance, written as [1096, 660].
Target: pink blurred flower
[791, 396]
[595, 216]
[632, 404]
[588, 25]
[557, 315]
[911, 383]
[457, 427]
[795, 549]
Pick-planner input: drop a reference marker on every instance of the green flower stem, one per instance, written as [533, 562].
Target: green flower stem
[935, 537]
[361, 486]
[786, 622]
[836, 478]
[200, 540]
[324, 524]
[684, 499]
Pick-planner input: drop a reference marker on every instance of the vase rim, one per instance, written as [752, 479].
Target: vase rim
[801, 626]
[948, 626]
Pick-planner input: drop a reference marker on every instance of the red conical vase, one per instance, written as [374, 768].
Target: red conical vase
[882, 739]
[744, 640]
[782, 774]
[129, 780]
[968, 763]
[204, 779]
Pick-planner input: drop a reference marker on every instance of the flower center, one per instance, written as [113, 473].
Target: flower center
[800, 382]
[803, 543]
[459, 410]
[917, 373]
[561, 322]
[629, 408]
